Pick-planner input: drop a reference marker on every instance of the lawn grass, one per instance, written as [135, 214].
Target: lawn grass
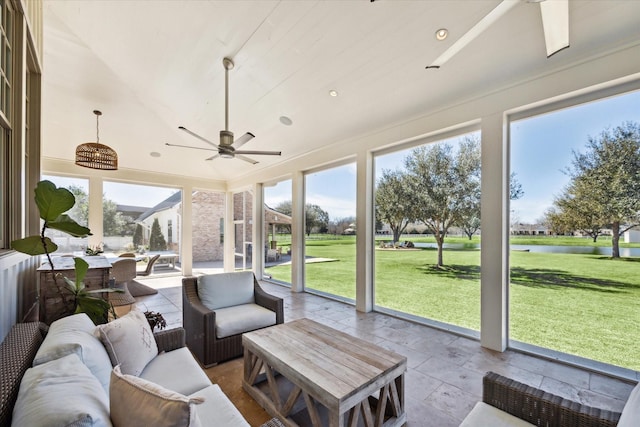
[587, 305]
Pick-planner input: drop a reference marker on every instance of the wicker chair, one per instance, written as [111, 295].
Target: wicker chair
[200, 323]
[540, 408]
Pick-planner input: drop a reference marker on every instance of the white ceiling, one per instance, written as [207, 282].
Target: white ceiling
[151, 66]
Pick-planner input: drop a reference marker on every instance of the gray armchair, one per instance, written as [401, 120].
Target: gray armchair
[218, 308]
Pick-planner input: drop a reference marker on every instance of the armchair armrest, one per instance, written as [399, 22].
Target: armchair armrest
[269, 301]
[198, 320]
[541, 408]
[170, 339]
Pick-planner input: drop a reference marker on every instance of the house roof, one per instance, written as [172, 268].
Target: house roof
[155, 65]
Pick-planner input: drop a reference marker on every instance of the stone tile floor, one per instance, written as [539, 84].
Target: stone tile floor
[444, 377]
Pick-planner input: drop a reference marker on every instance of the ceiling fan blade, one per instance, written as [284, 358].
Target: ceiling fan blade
[189, 146]
[197, 136]
[555, 22]
[262, 153]
[243, 139]
[246, 159]
[215, 156]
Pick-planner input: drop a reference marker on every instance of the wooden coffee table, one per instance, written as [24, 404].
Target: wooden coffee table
[343, 380]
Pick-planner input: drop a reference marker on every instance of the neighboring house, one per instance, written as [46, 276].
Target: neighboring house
[208, 209]
[632, 236]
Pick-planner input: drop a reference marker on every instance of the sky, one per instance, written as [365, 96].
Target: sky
[541, 148]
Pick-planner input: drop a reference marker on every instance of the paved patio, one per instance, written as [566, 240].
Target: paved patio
[444, 378]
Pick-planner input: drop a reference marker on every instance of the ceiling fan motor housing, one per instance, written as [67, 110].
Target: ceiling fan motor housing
[226, 137]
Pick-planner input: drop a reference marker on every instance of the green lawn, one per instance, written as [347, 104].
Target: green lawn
[587, 305]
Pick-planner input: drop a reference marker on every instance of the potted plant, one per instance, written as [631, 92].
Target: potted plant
[52, 204]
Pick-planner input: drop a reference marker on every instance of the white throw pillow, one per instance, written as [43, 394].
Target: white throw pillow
[137, 402]
[74, 334]
[61, 392]
[226, 289]
[631, 411]
[129, 342]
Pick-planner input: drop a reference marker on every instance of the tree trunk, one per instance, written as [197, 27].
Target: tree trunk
[615, 240]
[440, 242]
[396, 234]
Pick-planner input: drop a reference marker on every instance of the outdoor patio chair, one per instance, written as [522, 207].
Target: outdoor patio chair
[123, 271]
[147, 271]
[127, 255]
[218, 308]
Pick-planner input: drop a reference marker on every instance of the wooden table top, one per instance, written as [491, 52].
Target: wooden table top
[334, 365]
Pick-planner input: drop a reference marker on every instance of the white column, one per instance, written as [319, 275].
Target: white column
[365, 226]
[494, 298]
[186, 236]
[229, 235]
[95, 211]
[258, 232]
[297, 232]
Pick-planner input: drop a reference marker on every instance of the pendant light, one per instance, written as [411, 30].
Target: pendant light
[94, 155]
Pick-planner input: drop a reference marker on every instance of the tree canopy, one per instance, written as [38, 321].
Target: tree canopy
[157, 241]
[604, 190]
[393, 199]
[315, 218]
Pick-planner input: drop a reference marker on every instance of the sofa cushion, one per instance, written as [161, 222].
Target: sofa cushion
[61, 392]
[226, 289]
[176, 370]
[483, 415]
[218, 409]
[631, 411]
[129, 342]
[242, 318]
[74, 334]
[137, 402]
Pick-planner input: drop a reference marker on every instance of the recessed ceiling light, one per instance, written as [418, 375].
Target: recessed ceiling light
[442, 34]
[154, 154]
[333, 92]
[286, 121]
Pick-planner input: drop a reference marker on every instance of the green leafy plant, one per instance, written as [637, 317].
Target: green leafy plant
[155, 319]
[52, 204]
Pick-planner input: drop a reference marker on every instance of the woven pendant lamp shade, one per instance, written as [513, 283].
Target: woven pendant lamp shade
[94, 155]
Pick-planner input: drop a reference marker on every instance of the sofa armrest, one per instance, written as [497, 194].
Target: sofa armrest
[17, 352]
[541, 408]
[170, 339]
[269, 301]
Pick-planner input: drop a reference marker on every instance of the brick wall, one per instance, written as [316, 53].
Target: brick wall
[207, 209]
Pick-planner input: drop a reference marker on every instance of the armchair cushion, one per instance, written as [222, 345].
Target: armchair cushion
[226, 289]
[631, 411]
[242, 318]
[170, 369]
[484, 414]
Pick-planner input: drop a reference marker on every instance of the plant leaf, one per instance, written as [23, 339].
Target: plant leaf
[81, 270]
[96, 308]
[32, 245]
[68, 225]
[52, 201]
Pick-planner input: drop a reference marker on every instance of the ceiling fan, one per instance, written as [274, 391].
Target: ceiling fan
[228, 148]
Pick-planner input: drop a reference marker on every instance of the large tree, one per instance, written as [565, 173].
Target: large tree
[470, 213]
[394, 200]
[443, 180]
[157, 241]
[315, 218]
[605, 182]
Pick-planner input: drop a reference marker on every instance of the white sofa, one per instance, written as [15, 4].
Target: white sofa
[509, 403]
[157, 381]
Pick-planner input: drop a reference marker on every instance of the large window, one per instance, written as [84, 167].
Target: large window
[140, 218]
[330, 227]
[277, 223]
[6, 66]
[575, 245]
[427, 255]
[243, 229]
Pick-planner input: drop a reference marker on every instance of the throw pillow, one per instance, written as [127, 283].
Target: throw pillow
[74, 334]
[129, 342]
[136, 402]
[61, 392]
